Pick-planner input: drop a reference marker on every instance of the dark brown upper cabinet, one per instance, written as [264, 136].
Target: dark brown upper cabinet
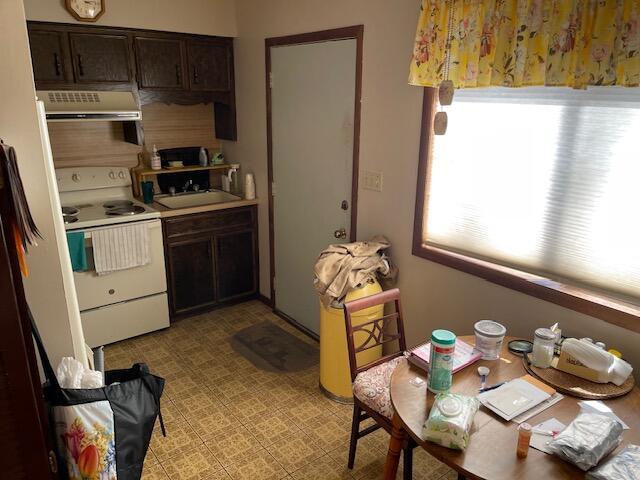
[208, 66]
[49, 56]
[160, 62]
[100, 58]
[163, 67]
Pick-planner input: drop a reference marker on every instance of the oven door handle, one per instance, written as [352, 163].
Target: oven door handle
[151, 224]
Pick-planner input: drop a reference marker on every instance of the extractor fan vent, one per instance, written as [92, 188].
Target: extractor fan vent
[74, 97]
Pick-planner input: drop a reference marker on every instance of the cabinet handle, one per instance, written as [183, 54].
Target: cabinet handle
[57, 65]
[195, 75]
[178, 76]
[80, 66]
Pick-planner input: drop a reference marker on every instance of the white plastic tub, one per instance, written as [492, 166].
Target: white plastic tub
[489, 337]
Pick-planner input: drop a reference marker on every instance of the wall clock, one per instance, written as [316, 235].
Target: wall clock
[85, 10]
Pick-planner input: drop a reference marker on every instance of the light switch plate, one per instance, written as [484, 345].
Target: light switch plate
[372, 180]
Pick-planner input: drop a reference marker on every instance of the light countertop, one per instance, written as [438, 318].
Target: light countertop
[166, 212]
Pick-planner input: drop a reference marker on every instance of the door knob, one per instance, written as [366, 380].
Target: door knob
[340, 233]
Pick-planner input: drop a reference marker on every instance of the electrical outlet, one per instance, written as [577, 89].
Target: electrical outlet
[372, 180]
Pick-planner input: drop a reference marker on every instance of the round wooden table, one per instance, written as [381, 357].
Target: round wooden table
[491, 453]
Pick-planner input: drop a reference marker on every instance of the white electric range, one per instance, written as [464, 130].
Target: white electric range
[125, 303]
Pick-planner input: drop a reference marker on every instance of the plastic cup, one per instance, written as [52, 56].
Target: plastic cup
[489, 337]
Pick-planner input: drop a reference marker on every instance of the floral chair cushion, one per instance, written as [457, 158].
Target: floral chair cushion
[371, 387]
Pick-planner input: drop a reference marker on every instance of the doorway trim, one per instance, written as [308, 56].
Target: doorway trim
[345, 33]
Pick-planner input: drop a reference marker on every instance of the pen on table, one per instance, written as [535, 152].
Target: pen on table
[549, 433]
[491, 387]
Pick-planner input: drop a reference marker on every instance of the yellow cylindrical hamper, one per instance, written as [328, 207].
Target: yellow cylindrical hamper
[335, 376]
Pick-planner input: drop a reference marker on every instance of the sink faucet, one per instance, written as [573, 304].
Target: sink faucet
[186, 185]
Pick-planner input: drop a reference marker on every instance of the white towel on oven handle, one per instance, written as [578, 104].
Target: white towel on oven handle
[120, 248]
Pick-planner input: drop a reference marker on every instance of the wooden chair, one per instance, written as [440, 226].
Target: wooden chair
[378, 372]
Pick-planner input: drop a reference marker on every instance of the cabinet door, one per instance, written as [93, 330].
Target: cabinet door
[191, 274]
[48, 55]
[100, 58]
[236, 264]
[208, 66]
[160, 63]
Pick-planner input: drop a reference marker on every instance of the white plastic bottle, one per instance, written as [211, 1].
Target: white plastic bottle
[608, 367]
[249, 187]
[202, 157]
[156, 164]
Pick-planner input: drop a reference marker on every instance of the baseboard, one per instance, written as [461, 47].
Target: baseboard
[266, 300]
[297, 325]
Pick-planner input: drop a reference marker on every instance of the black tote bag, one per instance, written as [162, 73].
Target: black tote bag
[103, 433]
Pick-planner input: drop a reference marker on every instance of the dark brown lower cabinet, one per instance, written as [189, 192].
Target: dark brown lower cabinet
[211, 258]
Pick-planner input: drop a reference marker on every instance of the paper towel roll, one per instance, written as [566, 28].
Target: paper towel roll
[249, 186]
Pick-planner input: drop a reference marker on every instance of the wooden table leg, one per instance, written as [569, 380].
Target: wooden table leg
[398, 439]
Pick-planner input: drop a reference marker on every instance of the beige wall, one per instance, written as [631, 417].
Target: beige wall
[433, 295]
[50, 294]
[205, 17]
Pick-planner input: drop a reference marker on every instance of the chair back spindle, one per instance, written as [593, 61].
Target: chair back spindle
[376, 332]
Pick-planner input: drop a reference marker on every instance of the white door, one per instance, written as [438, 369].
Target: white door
[312, 108]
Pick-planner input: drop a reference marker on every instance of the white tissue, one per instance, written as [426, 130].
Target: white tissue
[73, 374]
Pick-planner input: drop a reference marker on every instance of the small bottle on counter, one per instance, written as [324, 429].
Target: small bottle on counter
[203, 158]
[524, 437]
[156, 164]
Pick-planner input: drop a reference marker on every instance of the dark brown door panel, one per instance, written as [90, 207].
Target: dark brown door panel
[161, 63]
[49, 56]
[100, 58]
[236, 264]
[192, 271]
[208, 66]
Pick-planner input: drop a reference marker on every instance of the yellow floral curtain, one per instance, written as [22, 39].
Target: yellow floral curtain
[517, 43]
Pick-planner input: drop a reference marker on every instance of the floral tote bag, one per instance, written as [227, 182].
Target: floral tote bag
[103, 433]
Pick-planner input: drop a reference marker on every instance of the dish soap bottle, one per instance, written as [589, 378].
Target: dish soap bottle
[156, 164]
[203, 157]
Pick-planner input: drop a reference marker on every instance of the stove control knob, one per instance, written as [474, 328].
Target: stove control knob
[75, 177]
[112, 175]
[121, 175]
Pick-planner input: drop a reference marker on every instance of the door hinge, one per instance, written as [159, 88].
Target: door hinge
[273, 189]
[53, 462]
[270, 79]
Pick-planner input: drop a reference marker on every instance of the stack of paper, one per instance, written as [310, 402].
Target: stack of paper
[516, 397]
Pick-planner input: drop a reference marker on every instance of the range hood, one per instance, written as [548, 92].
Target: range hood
[74, 106]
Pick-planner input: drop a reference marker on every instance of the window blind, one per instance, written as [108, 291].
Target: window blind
[546, 180]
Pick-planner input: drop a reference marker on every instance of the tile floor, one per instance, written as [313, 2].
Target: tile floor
[226, 419]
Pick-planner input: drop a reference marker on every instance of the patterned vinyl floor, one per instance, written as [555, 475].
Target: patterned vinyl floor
[228, 420]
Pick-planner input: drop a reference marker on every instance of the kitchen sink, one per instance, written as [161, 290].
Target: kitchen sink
[196, 199]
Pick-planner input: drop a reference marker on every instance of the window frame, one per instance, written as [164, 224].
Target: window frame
[579, 299]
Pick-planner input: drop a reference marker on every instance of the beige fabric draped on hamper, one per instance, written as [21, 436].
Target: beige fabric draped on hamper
[517, 43]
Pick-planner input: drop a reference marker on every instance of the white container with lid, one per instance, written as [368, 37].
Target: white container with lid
[544, 342]
[489, 337]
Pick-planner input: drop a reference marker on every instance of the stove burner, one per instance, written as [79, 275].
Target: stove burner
[127, 210]
[69, 211]
[69, 219]
[118, 204]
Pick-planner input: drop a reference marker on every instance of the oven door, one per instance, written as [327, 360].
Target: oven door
[99, 290]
